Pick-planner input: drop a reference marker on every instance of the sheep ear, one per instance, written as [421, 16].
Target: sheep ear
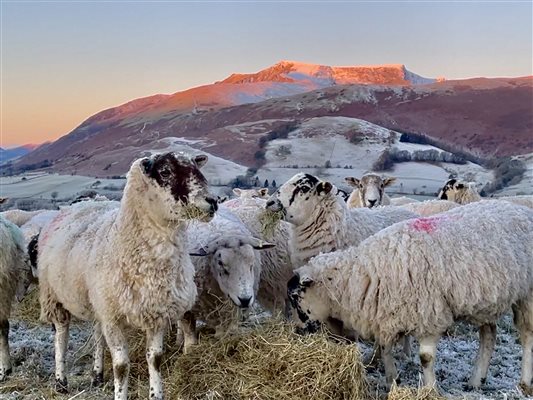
[263, 192]
[147, 165]
[306, 281]
[323, 187]
[460, 186]
[199, 253]
[259, 244]
[222, 199]
[200, 160]
[237, 191]
[352, 181]
[389, 181]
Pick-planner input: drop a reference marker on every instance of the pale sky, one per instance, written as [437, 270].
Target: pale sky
[64, 61]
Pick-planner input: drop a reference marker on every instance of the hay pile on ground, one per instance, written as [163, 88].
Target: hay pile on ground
[269, 362]
[28, 309]
[407, 393]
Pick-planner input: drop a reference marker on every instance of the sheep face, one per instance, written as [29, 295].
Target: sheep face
[299, 197]
[305, 298]
[233, 265]
[371, 188]
[450, 189]
[251, 193]
[176, 184]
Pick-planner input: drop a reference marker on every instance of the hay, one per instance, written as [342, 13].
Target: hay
[407, 393]
[269, 362]
[29, 309]
[269, 221]
[192, 212]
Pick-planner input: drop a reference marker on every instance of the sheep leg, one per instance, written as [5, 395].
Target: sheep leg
[523, 319]
[118, 346]
[60, 345]
[180, 338]
[391, 374]
[5, 360]
[98, 368]
[372, 361]
[428, 352]
[487, 340]
[154, 355]
[406, 340]
[527, 358]
[190, 336]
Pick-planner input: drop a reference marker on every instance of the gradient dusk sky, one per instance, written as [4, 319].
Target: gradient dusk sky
[64, 61]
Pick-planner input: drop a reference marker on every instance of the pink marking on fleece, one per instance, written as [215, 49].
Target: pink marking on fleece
[53, 226]
[427, 225]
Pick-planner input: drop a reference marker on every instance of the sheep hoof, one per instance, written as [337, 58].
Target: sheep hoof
[97, 379]
[61, 386]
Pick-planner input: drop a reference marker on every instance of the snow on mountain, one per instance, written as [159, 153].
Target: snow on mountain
[323, 75]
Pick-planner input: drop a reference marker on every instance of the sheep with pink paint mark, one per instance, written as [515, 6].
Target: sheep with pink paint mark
[419, 276]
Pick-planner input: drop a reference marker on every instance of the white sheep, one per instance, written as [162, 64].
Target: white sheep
[15, 277]
[369, 191]
[276, 265]
[246, 197]
[524, 200]
[227, 264]
[125, 264]
[419, 276]
[401, 201]
[320, 220]
[430, 207]
[20, 217]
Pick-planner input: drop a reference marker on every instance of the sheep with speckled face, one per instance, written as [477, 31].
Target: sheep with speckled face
[15, 277]
[419, 276]
[369, 191]
[465, 193]
[320, 221]
[125, 264]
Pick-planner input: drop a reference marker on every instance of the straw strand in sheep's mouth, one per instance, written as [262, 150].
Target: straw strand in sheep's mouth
[269, 221]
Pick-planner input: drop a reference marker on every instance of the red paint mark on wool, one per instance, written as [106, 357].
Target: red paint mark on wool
[53, 226]
[427, 225]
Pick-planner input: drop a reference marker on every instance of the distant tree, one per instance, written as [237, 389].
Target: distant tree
[266, 183]
[256, 182]
[327, 164]
[54, 195]
[274, 185]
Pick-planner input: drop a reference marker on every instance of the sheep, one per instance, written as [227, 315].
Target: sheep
[227, 266]
[464, 193]
[20, 217]
[246, 197]
[419, 276]
[459, 192]
[400, 201]
[430, 207]
[15, 277]
[276, 265]
[125, 264]
[369, 191]
[37, 223]
[524, 200]
[320, 220]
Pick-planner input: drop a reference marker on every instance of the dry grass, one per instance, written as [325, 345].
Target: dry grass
[269, 220]
[28, 309]
[269, 362]
[407, 393]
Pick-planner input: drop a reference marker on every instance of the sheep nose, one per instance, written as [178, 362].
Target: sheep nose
[245, 301]
[372, 202]
[273, 205]
[212, 202]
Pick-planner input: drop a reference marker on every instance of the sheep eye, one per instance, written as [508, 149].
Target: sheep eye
[164, 173]
[226, 271]
[305, 189]
[382, 185]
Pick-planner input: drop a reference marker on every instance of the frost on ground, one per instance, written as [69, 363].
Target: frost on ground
[33, 356]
